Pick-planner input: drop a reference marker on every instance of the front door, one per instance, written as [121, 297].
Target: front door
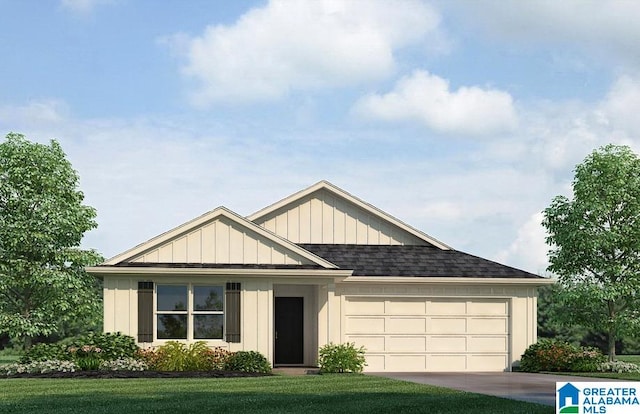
[289, 334]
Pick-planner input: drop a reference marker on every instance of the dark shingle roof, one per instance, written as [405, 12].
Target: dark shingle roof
[416, 261]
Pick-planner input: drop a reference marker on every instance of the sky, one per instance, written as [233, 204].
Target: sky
[461, 118]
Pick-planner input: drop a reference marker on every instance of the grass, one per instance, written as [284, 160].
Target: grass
[279, 394]
[629, 358]
[8, 359]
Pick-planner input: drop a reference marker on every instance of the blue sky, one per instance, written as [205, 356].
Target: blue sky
[461, 118]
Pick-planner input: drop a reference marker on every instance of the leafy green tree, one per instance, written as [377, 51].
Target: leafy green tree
[595, 239]
[43, 284]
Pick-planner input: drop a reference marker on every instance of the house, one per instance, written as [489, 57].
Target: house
[322, 266]
[569, 395]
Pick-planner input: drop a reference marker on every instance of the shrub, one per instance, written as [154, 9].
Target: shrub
[45, 352]
[337, 358]
[618, 366]
[215, 358]
[123, 364]
[39, 367]
[247, 361]
[87, 357]
[552, 355]
[176, 356]
[112, 345]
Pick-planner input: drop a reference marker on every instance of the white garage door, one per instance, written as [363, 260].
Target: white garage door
[430, 334]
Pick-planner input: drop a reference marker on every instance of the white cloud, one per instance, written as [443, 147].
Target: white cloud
[621, 105]
[529, 249]
[49, 111]
[429, 99]
[599, 28]
[83, 7]
[289, 46]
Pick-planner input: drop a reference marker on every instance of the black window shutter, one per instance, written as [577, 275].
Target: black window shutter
[145, 311]
[232, 312]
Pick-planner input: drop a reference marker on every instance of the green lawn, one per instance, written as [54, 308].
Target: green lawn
[629, 358]
[278, 394]
[8, 359]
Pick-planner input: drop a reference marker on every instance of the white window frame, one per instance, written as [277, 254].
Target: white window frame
[190, 312]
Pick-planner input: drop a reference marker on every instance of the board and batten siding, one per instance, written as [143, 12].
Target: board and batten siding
[220, 241]
[322, 217]
[256, 301]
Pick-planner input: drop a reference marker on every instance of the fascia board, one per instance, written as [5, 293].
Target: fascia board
[451, 280]
[102, 271]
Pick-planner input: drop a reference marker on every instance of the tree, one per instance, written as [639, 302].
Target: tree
[595, 239]
[42, 221]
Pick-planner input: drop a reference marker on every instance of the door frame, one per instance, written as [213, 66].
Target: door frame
[299, 341]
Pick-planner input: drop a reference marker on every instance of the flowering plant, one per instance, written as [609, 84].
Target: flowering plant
[86, 357]
[123, 364]
[38, 367]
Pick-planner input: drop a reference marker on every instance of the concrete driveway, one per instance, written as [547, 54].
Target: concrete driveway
[537, 388]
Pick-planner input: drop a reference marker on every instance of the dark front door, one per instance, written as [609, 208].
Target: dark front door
[289, 335]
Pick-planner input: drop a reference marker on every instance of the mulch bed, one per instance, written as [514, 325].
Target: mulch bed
[141, 374]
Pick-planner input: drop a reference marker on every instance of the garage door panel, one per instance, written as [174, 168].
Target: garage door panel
[447, 344]
[407, 307]
[407, 343]
[375, 363]
[488, 344]
[446, 307]
[366, 306]
[483, 362]
[488, 326]
[448, 325]
[487, 307]
[407, 325]
[370, 343]
[444, 363]
[365, 325]
[406, 362]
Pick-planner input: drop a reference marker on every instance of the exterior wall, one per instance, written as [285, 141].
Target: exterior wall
[257, 310]
[120, 305]
[220, 241]
[324, 218]
[326, 318]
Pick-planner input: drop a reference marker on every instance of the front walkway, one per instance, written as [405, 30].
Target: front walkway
[295, 370]
[536, 388]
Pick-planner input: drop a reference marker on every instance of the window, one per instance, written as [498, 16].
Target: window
[189, 312]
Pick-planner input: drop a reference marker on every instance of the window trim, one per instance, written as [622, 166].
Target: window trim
[190, 312]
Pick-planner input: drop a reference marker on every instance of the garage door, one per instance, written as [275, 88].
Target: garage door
[430, 334]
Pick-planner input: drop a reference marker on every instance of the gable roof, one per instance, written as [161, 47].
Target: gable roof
[261, 216]
[251, 230]
[412, 261]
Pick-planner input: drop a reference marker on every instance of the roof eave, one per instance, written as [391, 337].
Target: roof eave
[451, 280]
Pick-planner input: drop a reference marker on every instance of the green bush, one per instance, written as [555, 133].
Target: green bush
[45, 352]
[112, 345]
[176, 356]
[247, 361]
[560, 356]
[337, 358]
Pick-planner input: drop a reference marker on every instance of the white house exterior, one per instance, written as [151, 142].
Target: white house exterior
[322, 266]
